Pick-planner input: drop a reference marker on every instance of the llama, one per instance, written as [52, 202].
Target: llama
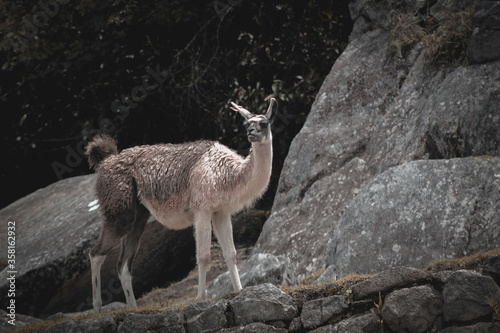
[200, 183]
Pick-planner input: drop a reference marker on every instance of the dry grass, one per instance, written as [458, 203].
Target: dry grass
[311, 278]
[305, 293]
[406, 31]
[495, 305]
[448, 42]
[473, 262]
[444, 42]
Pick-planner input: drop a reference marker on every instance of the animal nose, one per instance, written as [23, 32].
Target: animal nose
[251, 131]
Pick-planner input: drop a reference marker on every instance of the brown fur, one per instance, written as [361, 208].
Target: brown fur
[99, 149]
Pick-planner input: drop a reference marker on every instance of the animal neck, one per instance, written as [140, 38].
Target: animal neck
[258, 165]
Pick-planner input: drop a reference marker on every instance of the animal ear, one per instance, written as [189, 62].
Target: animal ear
[270, 114]
[244, 112]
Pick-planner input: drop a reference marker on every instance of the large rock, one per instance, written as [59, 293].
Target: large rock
[466, 296]
[387, 280]
[206, 316]
[364, 323]
[406, 214]
[373, 113]
[412, 309]
[262, 303]
[260, 268]
[55, 229]
[319, 311]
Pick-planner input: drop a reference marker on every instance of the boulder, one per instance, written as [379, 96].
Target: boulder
[405, 215]
[367, 322]
[95, 325]
[373, 113]
[55, 229]
[484, 44]
[387, 280]
[466, 294]
[491, 267]
[205, 316]
[412, 309]
[170, 321]
[319, 311]
[260, 268]
[262, 303]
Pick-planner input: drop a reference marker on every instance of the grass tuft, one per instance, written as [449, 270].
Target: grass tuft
[448, 43]
[305, 293]
[473, 262]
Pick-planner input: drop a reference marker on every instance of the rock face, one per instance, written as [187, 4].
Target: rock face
[407, 213]
[55, 229]
[373, 112]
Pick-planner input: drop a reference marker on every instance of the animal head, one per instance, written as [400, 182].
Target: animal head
[258, 126]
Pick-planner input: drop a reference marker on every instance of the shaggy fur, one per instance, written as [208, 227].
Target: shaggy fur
[198, 183]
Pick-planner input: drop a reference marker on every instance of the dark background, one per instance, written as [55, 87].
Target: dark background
[153, 71]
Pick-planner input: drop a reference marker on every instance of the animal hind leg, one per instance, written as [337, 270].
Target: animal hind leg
[224, 232]
[129, 246]
[106, 242]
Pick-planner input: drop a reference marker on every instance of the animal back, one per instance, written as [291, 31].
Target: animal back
[162, 171]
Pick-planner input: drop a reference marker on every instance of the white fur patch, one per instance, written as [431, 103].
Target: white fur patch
[93, 205]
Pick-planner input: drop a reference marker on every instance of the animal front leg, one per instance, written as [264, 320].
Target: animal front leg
[203, 235]
[224, 232]
[126, 281]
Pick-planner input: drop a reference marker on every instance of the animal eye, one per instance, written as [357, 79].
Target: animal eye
[264, 124]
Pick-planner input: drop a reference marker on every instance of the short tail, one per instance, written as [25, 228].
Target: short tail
[99, 149]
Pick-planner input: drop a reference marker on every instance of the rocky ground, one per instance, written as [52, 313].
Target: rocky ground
[447, 296]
